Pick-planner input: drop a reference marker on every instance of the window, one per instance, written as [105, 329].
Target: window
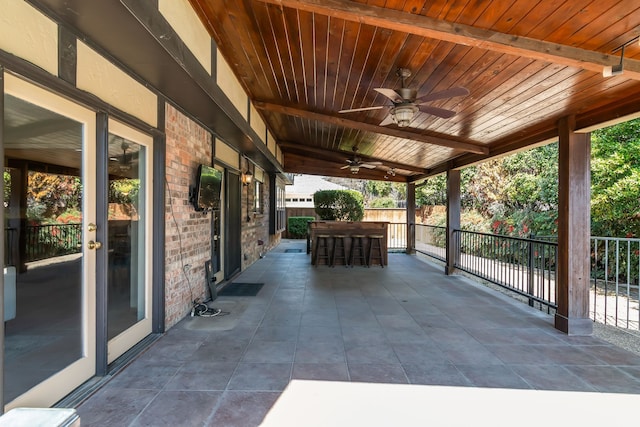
[257, 199]
[277, 210]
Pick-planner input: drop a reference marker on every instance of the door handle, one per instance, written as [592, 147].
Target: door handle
[94, 245]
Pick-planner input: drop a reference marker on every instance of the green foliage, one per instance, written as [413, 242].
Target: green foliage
[50, 195]
[339, 205]
[383, 202]
[615, 178]
[378, 188]
[124, 191]
[297, 226]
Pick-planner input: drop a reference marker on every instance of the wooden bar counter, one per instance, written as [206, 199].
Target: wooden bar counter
[348, 229]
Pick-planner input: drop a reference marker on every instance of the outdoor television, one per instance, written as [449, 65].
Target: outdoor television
[208, 188]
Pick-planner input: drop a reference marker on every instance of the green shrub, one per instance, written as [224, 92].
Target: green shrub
[297, 226]
[339, 205]
[383, 202]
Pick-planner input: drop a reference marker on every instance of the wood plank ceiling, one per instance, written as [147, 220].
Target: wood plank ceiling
[526, 63]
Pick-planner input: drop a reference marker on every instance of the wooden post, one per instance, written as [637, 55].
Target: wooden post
[453, 217]
[574, 230]
[411, 218]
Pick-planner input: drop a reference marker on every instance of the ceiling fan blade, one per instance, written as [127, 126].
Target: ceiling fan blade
[346, 166]
[371, 165]
[352, 110]
[390, 93]
[387, 121]
[447, 93]
[435, 111]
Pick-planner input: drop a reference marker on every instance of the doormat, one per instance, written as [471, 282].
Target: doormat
[241, 290]
[292, 251]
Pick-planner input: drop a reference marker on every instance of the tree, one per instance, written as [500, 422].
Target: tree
[339, 205]
[615, 180]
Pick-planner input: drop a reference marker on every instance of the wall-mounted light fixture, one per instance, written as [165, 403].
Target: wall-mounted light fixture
[247, 178]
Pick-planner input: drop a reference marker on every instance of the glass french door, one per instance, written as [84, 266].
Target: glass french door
[129, 238]
[50, 251]
[51, 243]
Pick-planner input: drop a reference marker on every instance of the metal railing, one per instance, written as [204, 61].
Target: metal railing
[615, 275]
[431, 241]
[524, 266]
[397, 236]
[43, 241]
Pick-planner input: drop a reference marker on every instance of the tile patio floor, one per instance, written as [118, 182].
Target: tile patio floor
[407, 323]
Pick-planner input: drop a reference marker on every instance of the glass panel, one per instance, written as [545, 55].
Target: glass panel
[125, 276]
[43, 192]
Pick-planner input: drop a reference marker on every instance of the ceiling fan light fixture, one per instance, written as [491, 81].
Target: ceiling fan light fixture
[403, 115]
[354, 169]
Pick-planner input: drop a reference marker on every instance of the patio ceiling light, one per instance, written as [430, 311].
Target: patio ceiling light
[403, 114]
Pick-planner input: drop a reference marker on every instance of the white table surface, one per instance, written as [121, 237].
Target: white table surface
[325, 403]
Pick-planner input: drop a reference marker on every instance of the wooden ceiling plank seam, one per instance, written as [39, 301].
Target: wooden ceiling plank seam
[372, 128]
[580, 98]
[234, 58]
[507, 88]
[479, 70]
[576, 20]
[535, 95]
[549, 23]
[365, 38]
[458, 7]
[552, 95]
[476, 101]
[279, 56]
[266, 56]
[362, 92]
[295, 56]
[506, 97]
[384, 67]
[242, 31]
[464, 34]
[519, 15]
[326, 64]
[304, 57]
[334, 61]
[607, 23]
[335, 78]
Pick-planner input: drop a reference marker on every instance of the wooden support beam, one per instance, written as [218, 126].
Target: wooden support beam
[463, 34]
[366, 127]
[340, 156]
[453, 218]
[574, 225]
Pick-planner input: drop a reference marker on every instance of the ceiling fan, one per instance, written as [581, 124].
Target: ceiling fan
[356, 163]
[406, 105]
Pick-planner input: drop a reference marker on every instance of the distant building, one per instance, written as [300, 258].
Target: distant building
[300, 194]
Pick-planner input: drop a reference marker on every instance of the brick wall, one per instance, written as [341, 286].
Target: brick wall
[256, 229]
[187, 244]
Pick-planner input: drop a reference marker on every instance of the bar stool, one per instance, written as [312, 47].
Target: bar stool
[321, 245]
[338, 251]
[375, 245]
[357, 250]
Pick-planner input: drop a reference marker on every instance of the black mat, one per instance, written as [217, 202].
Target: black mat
[241, 289]
[295, 251]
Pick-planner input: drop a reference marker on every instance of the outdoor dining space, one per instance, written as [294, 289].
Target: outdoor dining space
[348, 243]
[384, 339]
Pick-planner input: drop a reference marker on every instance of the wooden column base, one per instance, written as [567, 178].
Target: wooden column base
[574, 326]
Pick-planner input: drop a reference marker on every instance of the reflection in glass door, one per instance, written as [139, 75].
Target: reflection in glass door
[128, 284]
[49, 146]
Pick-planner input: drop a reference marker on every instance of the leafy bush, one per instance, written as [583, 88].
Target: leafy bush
[339, 205]
[297, 226]
[383, 202]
